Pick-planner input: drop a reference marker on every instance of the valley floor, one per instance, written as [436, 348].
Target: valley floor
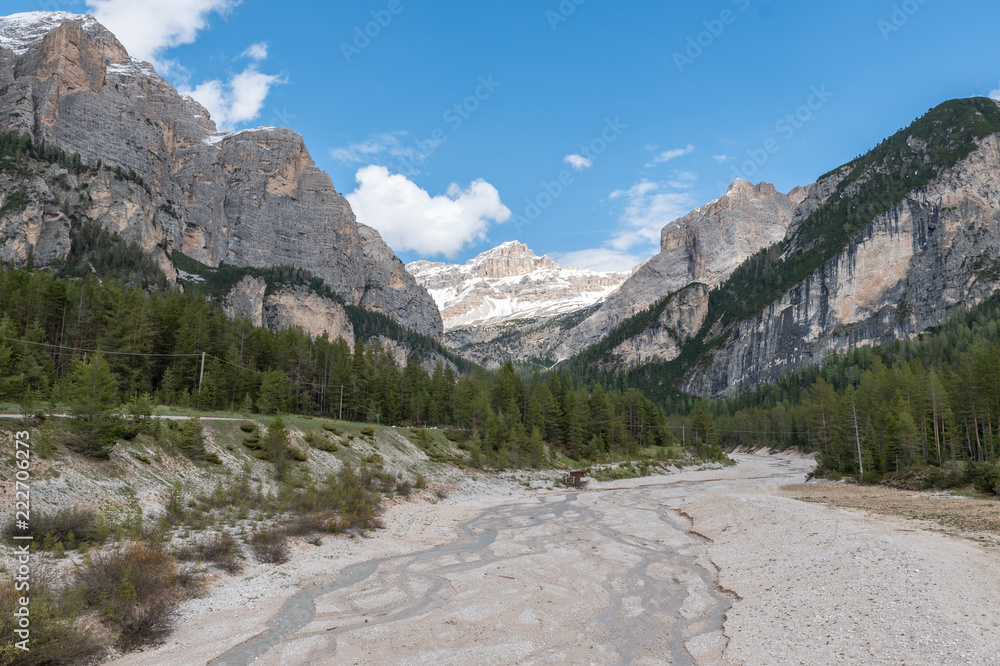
[704, 567]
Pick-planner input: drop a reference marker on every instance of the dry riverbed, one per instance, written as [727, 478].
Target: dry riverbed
[704, 567]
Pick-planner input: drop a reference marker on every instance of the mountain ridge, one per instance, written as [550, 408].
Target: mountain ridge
[171, 180]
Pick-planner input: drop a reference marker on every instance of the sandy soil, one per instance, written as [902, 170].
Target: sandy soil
[715, 566]
[971, 517]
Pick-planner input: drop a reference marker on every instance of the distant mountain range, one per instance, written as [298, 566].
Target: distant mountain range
[509, 283]
[100, 157]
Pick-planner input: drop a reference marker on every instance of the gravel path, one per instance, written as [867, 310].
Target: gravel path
[693, 568]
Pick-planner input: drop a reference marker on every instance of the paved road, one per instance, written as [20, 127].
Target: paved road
[165, 418]
[592, 577]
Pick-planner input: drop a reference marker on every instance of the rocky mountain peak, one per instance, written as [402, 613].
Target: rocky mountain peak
[510, 259]
[170, 181]
[510, 283]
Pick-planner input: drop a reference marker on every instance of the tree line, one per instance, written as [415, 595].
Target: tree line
[929, 405]
[101, 347]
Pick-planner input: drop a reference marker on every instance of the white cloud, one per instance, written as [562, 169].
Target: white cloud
[721, 159]
[601, 259]
[239, 100]
[386, 144]
[578, 162]
[256, 51]
[995, 94]
[411, 219]
[649, 207]
[683, 180]
[668, 155]
[148, 27]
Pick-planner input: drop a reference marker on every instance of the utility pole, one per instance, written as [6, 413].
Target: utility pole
[201, 377]
[857, 437]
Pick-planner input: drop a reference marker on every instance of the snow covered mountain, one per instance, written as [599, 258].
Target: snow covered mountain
[509, 283]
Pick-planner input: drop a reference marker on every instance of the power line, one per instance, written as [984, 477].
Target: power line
[94, 351]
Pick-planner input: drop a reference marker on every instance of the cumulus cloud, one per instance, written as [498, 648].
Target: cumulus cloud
[668, 155]
[409, 218]
[578, 162]
[236, 101]
[601, 259]
[256, 51]
[148, 27]
[995, 94]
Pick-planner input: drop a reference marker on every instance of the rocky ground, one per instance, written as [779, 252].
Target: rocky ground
[710, 566]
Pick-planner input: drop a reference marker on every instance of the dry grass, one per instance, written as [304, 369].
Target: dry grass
[270, 545]
[953, 513]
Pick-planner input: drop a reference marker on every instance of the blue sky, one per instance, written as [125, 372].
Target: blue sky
[580, 127]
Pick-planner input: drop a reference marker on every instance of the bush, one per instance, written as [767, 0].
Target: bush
[332, 428]
[420, 483]
[248, 427]
[368, 431]
[135, 589]
[404, 488]
[455, 435]
[220, 549]
[66, 526]
[58, 635]
[985, 477]
[270, 545]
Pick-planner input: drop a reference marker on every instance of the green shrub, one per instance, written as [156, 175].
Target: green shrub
[134, 587]
[368, 431]
[248, 427]
[65, 526]
[58, 634]
[332, 428]
[220, 549]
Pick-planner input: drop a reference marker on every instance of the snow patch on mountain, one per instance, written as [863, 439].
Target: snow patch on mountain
[510, 283]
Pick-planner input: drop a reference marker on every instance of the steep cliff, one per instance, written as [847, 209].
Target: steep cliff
[169, 180]
[705, 246]
[904, 273]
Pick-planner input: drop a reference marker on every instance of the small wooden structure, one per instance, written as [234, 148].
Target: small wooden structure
[576, 477]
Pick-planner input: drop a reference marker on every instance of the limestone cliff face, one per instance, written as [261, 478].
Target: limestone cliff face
[288, 307]
[252, 198]
[705, 246]
[680, 322]
[904, 273]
